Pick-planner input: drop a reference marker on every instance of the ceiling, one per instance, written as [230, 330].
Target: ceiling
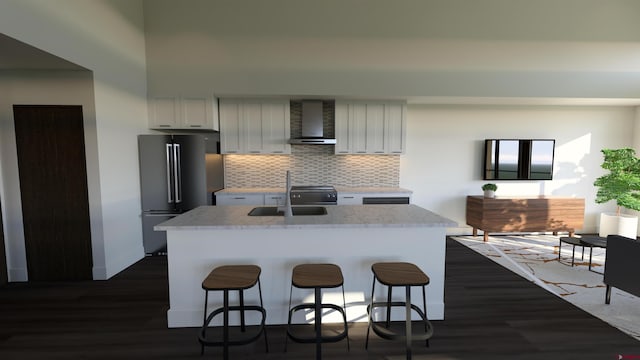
[16, 55]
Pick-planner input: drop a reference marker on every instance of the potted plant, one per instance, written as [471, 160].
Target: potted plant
[489, 190]
[621, 184]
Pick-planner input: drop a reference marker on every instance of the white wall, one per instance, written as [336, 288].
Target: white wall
[443, 163]
[107, 38]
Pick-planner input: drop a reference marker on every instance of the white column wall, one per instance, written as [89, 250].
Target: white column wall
[107, 38]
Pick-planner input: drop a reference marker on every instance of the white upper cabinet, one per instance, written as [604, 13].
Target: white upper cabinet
[255, 126]
[370, 127]
[183, 112]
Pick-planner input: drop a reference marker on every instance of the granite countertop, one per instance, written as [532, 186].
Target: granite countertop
[344, 189]
[372, 190]
[249, 191]
[235, 217]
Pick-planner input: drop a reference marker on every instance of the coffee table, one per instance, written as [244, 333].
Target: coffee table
[572, 241]
[591, 242]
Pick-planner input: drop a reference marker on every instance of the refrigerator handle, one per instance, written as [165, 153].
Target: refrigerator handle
[169, 174]
[177, 168]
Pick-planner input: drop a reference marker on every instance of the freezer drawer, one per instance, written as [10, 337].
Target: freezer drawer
[154, 242]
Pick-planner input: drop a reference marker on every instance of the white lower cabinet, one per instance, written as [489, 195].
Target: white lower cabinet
[349, 199]
[232, 199]
[274, 199]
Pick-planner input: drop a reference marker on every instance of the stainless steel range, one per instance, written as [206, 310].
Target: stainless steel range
[314, 195]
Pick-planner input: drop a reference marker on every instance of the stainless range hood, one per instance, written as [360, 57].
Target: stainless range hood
[312, 125]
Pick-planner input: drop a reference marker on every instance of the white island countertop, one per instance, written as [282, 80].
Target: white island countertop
[342, 216]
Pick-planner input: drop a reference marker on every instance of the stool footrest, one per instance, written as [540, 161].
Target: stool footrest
[315, 338]
[381, 329]
[240, 337]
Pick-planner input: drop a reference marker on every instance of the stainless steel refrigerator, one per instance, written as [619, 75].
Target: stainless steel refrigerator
[177, 173]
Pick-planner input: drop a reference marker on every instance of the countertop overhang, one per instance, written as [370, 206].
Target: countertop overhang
[355, 216]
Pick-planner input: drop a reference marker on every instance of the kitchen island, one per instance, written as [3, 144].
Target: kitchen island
[353, 237]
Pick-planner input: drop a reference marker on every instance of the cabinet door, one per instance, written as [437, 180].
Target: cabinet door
[252, 120]
[198, 113]
[275, 127]
[375, 129]
[164, 112]
[358, 128]
[395, 128]
[343, 140]
[230, 127]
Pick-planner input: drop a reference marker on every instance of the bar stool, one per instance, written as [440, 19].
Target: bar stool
[406, 275]
[317, 277]
[227, 278]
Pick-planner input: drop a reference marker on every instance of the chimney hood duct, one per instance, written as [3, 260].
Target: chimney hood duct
[312, 125]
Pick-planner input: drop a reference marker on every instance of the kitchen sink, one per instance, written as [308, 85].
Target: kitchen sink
[297, 211]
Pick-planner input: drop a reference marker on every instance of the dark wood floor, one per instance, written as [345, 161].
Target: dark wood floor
[490, 314]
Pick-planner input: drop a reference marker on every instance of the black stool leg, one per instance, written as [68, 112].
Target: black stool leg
[370, 312]
[389, 290]
[225, 328]
[204, 321]
[408, 321]
[241, 298]
[424, 306]
[318, 322]
[266, 343]
[344, 316]
[289, 318]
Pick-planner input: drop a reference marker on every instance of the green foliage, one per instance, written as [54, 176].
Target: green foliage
[622, 183]
[490, 186]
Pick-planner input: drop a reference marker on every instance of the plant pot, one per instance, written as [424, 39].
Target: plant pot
[489, 193]
[623, 224]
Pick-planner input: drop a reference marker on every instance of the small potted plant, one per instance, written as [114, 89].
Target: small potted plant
[489, 190]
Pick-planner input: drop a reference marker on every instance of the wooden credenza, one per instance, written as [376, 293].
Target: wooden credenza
[524, 214]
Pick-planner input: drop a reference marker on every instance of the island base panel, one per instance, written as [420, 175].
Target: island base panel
[193, 253]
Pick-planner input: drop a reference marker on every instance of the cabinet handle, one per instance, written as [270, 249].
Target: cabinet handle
[239, 198]
[348, 197]
[195, 126]
[164, 125]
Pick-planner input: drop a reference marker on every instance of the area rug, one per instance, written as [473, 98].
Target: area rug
[535, 258]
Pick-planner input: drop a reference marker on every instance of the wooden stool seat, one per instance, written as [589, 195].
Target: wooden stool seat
[405, 275]
[399, 274]
[308, 276]
[228, 278]
[232, 277]
[317, 277]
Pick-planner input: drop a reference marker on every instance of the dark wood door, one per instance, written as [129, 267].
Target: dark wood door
[3, 255]
[53, 184]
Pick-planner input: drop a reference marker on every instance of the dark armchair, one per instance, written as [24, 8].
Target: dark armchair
[622, 267]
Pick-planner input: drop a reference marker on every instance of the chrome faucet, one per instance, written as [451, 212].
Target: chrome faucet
[287, 201]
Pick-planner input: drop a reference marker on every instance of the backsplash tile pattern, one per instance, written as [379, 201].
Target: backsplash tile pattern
[312, 165]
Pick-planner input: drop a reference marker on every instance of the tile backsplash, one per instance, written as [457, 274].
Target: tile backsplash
[312, 165]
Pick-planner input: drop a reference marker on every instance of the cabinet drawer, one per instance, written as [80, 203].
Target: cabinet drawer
[253, 199]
